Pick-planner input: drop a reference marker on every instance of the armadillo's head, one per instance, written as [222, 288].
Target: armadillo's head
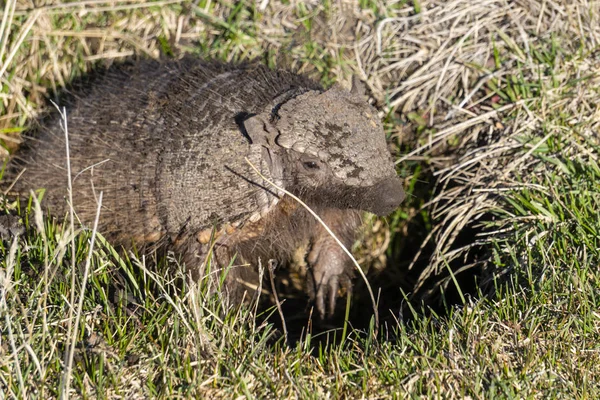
[329, 148]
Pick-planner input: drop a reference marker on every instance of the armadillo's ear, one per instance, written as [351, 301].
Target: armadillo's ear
[260, 130]
[357, 86]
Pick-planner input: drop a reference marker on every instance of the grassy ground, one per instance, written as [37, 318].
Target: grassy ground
[488, 276]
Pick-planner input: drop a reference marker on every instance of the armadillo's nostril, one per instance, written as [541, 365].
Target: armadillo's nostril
[387, 195]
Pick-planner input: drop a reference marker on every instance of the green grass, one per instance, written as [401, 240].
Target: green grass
[531, 330]
[540, 335]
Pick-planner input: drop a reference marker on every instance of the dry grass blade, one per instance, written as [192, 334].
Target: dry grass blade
[66, 378]
[272, 264]
[22, 35]
[72, 329]
[5, 286]
[39, 223]
[7, 17]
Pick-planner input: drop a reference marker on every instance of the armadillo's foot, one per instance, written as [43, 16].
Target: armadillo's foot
[10, 227]
[330, 272]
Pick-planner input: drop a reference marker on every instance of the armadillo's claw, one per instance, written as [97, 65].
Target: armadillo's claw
[328, 275]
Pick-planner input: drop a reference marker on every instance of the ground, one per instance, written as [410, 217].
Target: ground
[486, 279]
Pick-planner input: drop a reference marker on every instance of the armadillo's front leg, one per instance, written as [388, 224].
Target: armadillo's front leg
[330, 266]
[240, 280]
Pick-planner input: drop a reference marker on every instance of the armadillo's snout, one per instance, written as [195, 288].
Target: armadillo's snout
[386, 196]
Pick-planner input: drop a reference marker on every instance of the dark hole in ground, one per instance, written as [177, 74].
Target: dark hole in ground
[439, 293]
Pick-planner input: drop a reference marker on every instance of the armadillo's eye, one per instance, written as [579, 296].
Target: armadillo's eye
[311, 165]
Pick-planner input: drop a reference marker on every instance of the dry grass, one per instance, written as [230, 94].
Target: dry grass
[496, 104]
[490, 157]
